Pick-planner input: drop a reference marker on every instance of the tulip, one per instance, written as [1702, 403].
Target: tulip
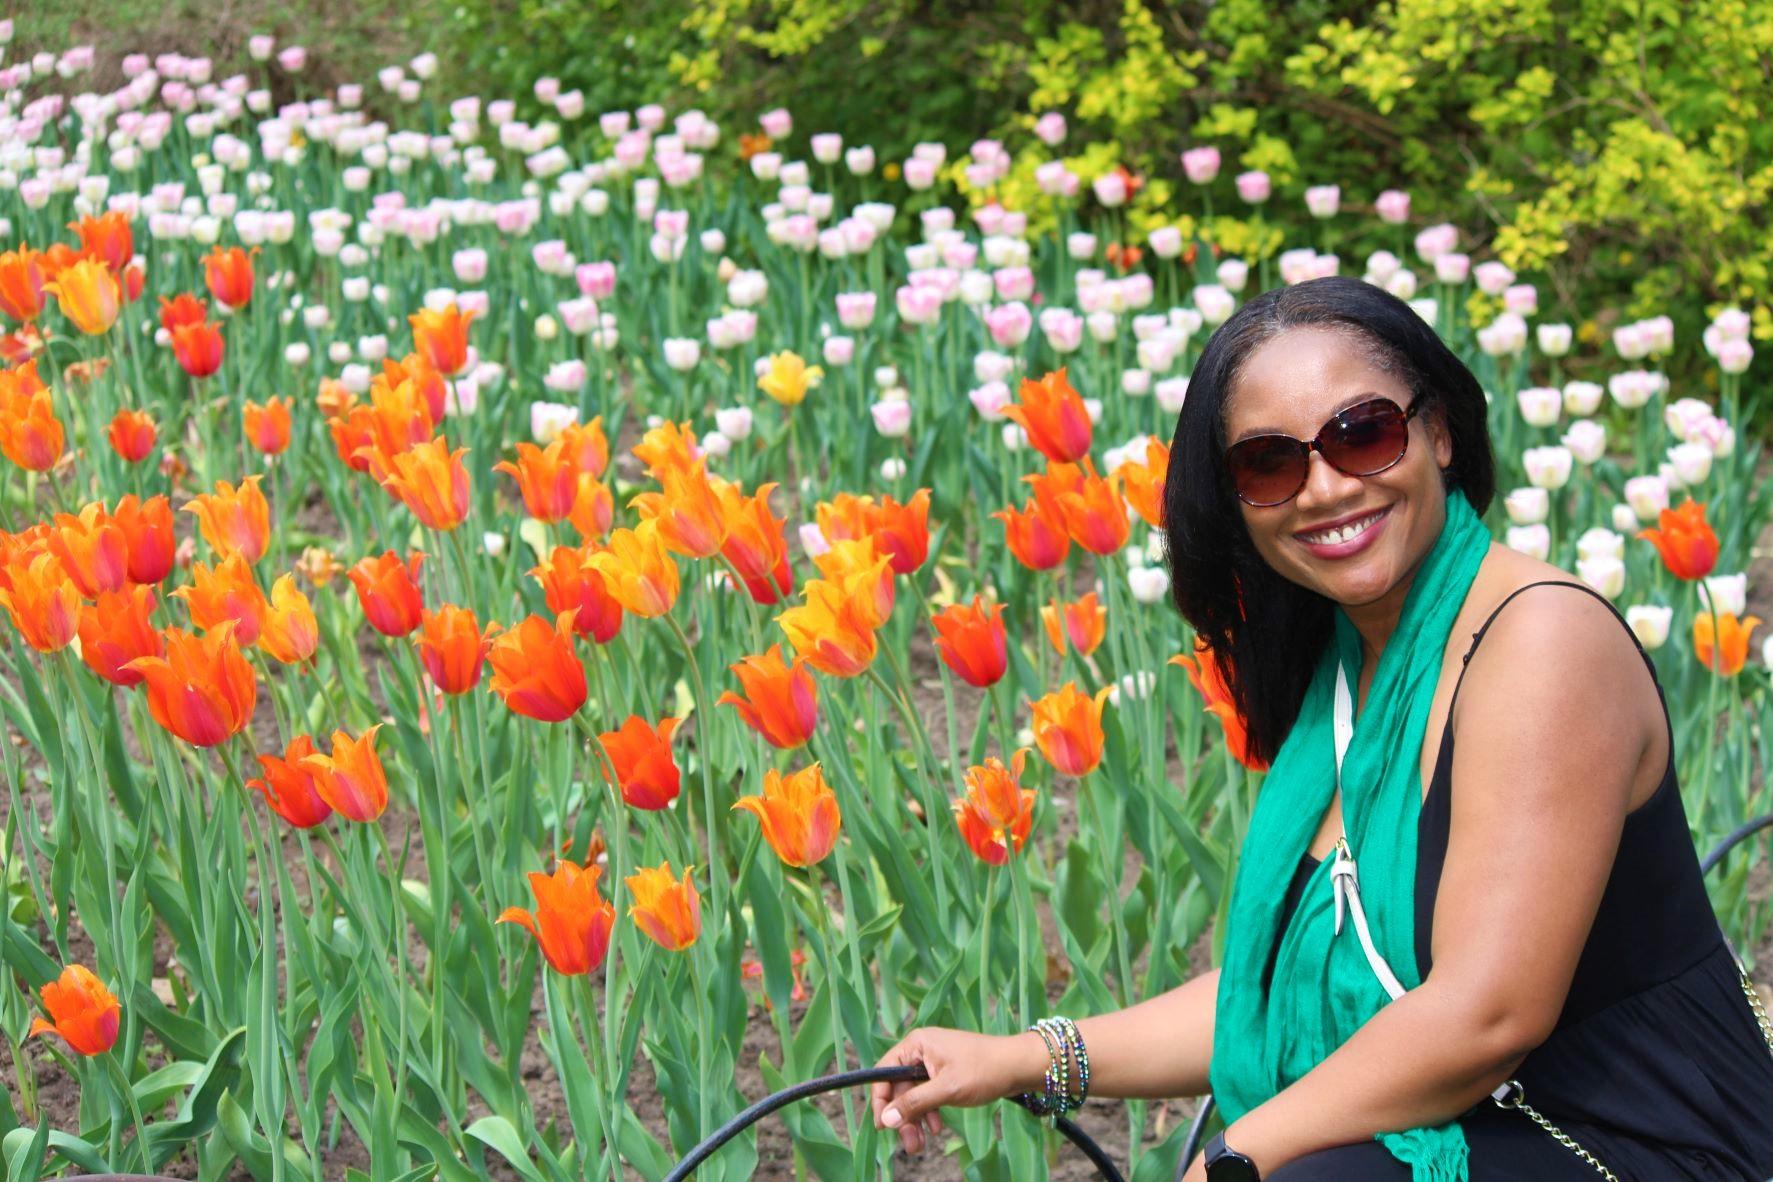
[1527, 506]
[1142, 482]
[430, 480]
[290, 633]
[1540, 405]
[1604, 573]
[996, 811]
[429, 384]
[1725, 650]
[228, 275]
[572, 921]
[858, 568]
[832, 630]
[1080, 624]
[82, 1011]
[229, 593]
[536, 670]
[22, 276]
[234, 520]
[756, 545]
[799, 815]
[351, 779]
[389, 591]
[688, 512]
[1068, 729]
[43, 602]
[1528, 539]
[453, 648]
[569, 584]
[148, 533]
[132, 434]
[640, 756]
[441, 337]
[901, 532]
[780, 701]
[1036, 534]
[198, 348]
[291, 790]
[183, 308]
[268, 426]
[1209, 681]
[548, 479]
[30, 434]
[638, 570]
[1054, 416]
[106, 238]
[92, 549]
[669, 911]
[1094, 512]
[1547, 467]
[665, 447]
[788, 378]
[115, 630]
[1685, 540]
[587, 446]
[970, 640]
[88, 294]
[203, 689]
[1650, 622]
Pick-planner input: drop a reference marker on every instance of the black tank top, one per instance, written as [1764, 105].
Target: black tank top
[1656, 1060]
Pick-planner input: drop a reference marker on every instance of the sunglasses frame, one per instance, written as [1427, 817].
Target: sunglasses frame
[1316, 443]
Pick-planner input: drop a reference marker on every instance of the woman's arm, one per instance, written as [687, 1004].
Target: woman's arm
[1549, 739]
[1159, 1047]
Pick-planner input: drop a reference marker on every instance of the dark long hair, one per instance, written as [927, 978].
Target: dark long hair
[1266, 631]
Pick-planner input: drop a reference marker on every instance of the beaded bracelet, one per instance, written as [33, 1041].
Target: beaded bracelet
[1065, 1047]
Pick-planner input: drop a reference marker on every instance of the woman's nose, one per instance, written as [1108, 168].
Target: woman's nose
[1325, 484]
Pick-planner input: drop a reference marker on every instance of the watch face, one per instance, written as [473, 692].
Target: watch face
[1232, 1167]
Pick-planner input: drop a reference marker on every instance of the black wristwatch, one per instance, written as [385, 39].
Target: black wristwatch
[1225, 1164]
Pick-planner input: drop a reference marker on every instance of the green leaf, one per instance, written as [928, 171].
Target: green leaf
[499, 1135]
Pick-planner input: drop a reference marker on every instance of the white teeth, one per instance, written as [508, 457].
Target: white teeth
[1333, 537]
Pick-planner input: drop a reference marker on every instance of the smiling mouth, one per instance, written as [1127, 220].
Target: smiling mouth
[1344, 533]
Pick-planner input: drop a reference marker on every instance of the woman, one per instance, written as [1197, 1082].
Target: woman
[1507, 838]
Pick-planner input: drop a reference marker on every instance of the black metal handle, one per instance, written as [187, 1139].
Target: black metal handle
[1735, 838]
[830, 1083]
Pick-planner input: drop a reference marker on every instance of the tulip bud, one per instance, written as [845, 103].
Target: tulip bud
[1549, 467]
[1604, 573]
[1534, 540]
[1540, 405]
[1527, 506]
[1729, 592]
[1650, 622]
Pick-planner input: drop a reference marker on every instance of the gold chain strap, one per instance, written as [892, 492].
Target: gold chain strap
[1517, 1096]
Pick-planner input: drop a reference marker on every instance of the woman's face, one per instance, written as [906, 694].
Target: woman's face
[1292, 385]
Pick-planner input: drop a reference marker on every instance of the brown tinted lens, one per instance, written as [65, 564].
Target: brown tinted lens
[1268, 469]
[1367, 438]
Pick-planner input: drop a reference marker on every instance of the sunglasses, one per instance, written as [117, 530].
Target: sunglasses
[1363, 440]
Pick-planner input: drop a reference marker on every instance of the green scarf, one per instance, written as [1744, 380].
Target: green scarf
[1323, 988]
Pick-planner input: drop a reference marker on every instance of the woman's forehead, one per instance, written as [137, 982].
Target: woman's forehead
[1292, 382]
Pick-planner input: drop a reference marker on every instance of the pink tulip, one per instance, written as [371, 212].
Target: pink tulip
[1254, 187]
[1201, 165]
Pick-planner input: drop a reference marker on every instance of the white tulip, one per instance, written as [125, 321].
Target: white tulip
[1527, 506]
[1650, 622]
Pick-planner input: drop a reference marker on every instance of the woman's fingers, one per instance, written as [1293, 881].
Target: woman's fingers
[908, 1052]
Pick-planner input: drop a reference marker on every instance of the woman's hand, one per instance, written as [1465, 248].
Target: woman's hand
[965, 1070]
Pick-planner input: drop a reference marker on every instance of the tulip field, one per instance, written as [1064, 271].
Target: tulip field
[526, 629]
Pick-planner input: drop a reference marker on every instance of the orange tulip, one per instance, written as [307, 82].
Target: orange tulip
[547, 478]
[638, 570]
[106, 238]
[996, 812]
[1095, 515]
[22, 276]
[572, 921]
[30, 434]
[268, 426]
[234, 520]
[1068, 729]
[431, 481]
[147, 530]
[970, 640]
[1080, 624]
[429, 384]
[353, 436]
[351, 779]
[641, 756]
[1143, 482]
[58, 258]
[42, 600]
[16, 348]
[688, 512]
[389, 591]
[453, 647]
[899, 531]
[441, 338]
[1036, 534]
[756, 543]
[666, 448]
[864, 574]
[291, 790]
[780, 701]
[183, 308]
[199, 348]
[228, 275]
[667, 910]
[799, 815]
[1054, 415]
[290, 632]
[133, 434]
[1724, 651]
[89, 295]
[1688, 546]
[84, 1012]
[570, 584]
[228, 593]
[832, 630]
[203, 689]
[588, 446]
[1208, 679]
[92, 550]
[536, 669]
[594, 509]
[116, 630]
